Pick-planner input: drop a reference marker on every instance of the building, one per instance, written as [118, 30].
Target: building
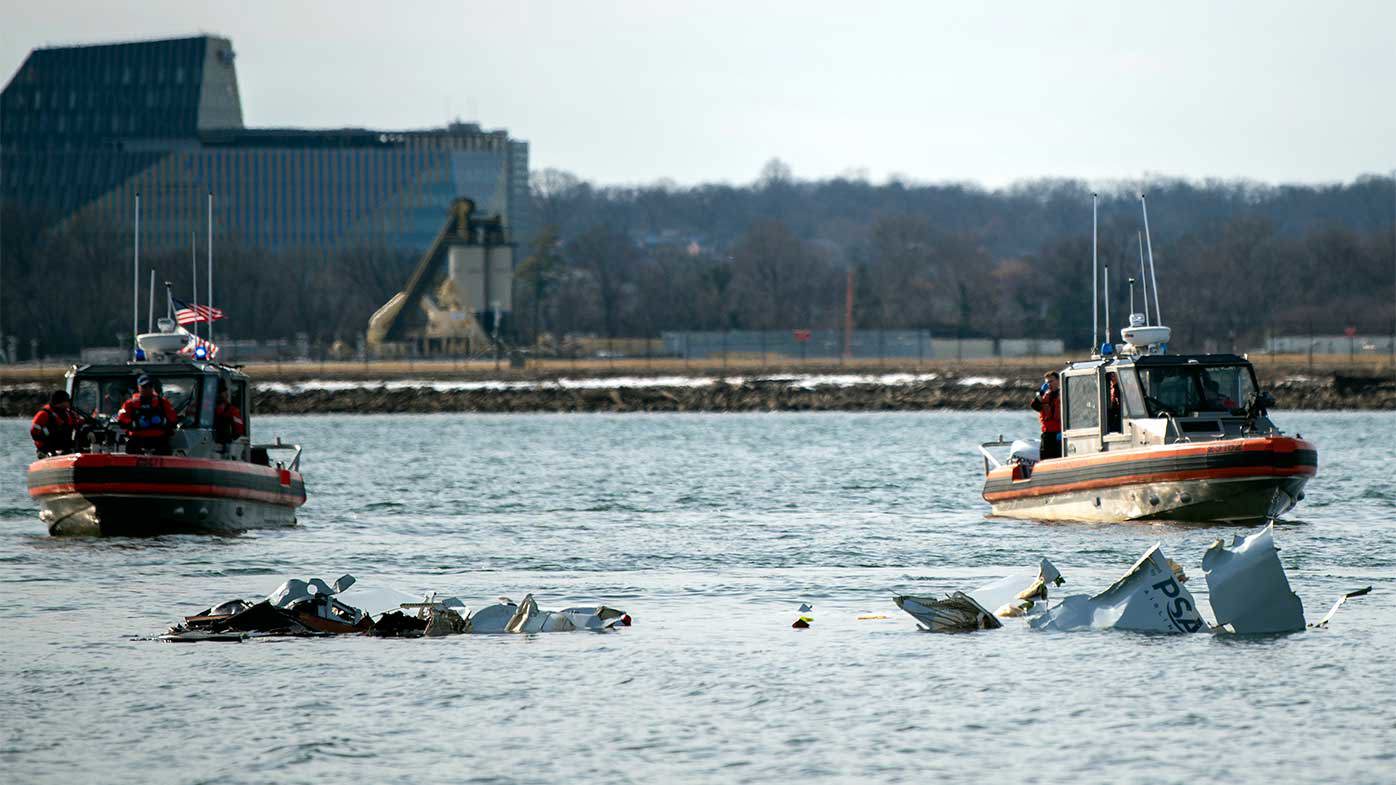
[83, 129]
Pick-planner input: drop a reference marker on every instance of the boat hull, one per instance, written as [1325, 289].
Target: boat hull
[1235, 481]
[132, 495]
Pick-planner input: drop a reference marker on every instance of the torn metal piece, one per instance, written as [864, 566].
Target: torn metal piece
[957, 612]
[598, 618]
[1248, 589]
[491, 619]
[1017, 595]
[1329, 615]
[1149, 598]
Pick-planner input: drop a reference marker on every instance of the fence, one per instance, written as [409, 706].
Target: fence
[862, 345]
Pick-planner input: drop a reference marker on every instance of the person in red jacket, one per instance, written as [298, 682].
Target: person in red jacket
[54, 428]
[1048, 405]
[148, 417]
[227, 418]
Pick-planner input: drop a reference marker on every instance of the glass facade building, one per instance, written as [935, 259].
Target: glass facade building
[84, 129]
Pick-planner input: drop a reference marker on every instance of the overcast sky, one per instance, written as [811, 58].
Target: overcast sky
[629, 92]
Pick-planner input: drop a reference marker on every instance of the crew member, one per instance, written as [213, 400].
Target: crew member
[1216, 399]
[54, 428]
[1113, 409]
[148, 417]
[1048, 405]
[227, 418]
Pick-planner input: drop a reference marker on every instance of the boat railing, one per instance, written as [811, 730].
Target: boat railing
[990, 461]
[292, 464]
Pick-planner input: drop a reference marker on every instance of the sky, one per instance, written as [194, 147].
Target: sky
[990, 93]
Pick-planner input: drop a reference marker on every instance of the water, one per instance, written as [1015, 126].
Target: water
[710, 530]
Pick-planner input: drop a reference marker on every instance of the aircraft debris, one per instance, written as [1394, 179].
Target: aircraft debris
[1322, 623]
[957, 612]
[313, 607]
[1247, 587]
[1149, 598]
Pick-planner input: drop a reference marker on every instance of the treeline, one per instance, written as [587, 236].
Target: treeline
[1235, 261]
[70, 287]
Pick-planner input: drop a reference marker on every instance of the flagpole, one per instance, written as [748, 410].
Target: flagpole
[194, 265]
[210, 264]
[136, 278]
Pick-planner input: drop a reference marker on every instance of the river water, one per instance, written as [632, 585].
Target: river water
[710, 530]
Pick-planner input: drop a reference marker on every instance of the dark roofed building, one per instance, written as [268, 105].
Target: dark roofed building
[84, 128]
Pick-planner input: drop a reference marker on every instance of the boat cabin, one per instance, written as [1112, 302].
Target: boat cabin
[1129, 401]
[191, 387]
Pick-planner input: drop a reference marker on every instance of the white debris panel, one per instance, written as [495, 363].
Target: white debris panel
[1249, 592]
[1149, 598]
[956, 612]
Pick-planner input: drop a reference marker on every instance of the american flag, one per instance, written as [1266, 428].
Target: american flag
[191, 349]
[186, 313]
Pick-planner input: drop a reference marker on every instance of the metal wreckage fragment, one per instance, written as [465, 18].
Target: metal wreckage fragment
[315, 608]
[1247, 587]
[1015, 595]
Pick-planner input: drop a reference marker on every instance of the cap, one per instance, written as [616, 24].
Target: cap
[144, 380]
[58, 396]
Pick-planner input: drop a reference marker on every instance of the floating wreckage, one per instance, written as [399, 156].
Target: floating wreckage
[805, 619]
[1149, 598]
[315, 608]
[1247, 589]
[1015, 595]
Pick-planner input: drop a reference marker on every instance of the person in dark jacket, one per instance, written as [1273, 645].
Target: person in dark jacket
[149, 419]
[227, 418]
[1048, 405]
[54, 428]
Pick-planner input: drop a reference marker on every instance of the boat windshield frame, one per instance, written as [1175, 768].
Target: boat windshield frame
[1192, 389]
[192, 389]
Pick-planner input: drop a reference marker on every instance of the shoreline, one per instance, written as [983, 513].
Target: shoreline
[983, 389]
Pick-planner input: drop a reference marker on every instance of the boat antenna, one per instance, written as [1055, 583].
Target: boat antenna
[1131, 298]
[209, 303]
[194, 267]
[1143, 279]
[150, 305]
[1149, 243]
[1107, 303]
[169, 302]
[1095, 275]
[136, 279]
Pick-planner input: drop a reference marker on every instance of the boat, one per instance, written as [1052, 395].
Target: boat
[108, 487]
[1148, 435]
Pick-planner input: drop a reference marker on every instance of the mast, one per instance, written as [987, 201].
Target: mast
[1107, 303]
[1149, 243]
[136, 278]
[209, 303]
[1095, 275]
[1143, 280]
[194, 266]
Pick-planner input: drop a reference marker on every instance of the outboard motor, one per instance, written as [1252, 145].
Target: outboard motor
[1023, 455]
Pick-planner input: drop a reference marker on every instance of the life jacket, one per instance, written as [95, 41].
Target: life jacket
[147, 418]
[227, 423]
[1050, 412]
[52, 430]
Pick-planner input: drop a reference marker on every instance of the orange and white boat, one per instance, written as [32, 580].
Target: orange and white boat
[200, 483]
[1204, 464]
[1149, 435]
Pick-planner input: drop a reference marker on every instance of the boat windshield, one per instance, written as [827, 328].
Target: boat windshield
[1183, 389]
[105, 395]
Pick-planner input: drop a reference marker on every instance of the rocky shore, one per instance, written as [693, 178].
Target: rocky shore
[891, 392]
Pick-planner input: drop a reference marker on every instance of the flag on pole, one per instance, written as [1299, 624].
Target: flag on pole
[186, 313]
[198, 348]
